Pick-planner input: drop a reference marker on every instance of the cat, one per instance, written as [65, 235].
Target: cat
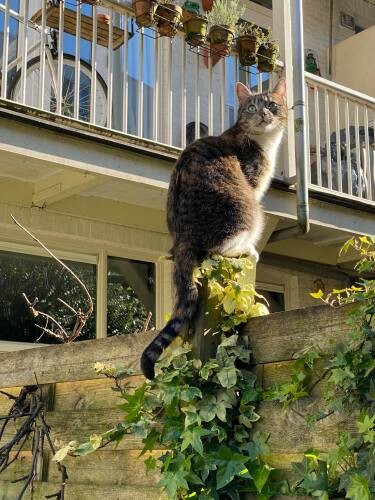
[214, 200]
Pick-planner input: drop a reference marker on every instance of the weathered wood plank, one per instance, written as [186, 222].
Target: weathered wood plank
[90, 394]
[282, 336]
[61, 363]
[106, 468]
[9, 491]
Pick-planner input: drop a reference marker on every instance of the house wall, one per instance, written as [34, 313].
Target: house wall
[317, 25]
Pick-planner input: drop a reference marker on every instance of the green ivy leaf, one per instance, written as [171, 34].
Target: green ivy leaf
[358, 488]
[172, 482]
[189, 393]
[248, 416]
[134, 403]
[258, 446]
[192, 437]
[260, 473]
[150, 463]
[227, 376]
[229, 465]
[150, 440]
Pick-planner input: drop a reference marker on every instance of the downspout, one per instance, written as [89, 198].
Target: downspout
[300, 129]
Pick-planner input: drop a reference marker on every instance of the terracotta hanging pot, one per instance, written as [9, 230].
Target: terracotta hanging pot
[267, 56]
[195, 30]
[144, 11]
[168, 17]
[247, 47]
[221, 39]
[207, 5]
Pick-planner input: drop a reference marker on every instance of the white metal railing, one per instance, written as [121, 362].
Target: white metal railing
[89, 62]
[341, 125]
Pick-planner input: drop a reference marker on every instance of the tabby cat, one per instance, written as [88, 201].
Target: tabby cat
[214, 200]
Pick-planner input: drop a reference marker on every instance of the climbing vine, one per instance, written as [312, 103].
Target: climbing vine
[349, 468]
[203, 413]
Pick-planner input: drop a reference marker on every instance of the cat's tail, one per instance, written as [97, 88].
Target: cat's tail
[185, 260]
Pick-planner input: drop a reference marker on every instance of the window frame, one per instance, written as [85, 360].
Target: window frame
[100, 260]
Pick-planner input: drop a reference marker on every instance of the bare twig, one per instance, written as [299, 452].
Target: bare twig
[147, 322]
[52, 327]
[28, 404]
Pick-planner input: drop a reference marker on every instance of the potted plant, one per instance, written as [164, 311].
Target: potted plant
[168, 17]
[192, 7]
[249, 39]
[222, 20]
[268, 53]
[207, 5]
[195, 30]
[144, 11]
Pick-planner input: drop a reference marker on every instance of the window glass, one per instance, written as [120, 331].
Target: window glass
[44, 278]
[131, 295]
[276, 300]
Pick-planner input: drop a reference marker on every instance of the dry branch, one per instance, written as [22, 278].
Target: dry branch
[52, 327]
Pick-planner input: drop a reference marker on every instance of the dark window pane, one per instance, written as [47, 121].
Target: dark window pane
[131, 295]
[276, 302]
[44, 278]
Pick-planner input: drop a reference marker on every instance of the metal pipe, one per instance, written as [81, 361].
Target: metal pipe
[300, 118]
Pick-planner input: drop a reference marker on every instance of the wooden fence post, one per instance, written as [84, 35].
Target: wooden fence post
[206, 335]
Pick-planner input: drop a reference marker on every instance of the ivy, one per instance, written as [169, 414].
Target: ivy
[203, 414]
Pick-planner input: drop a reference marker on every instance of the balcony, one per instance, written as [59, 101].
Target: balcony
[91, 68]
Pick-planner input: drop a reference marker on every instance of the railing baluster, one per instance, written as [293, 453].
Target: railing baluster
[24, 51]
[42, 69]
[307, 117]
[222, 94]
[110, 70]
[170, 94]
[366, 156]
[210, 98]
[155, 92]
[358, 151]
[317, 136]
[235, 80]
[4, 69]
[338, 144]
[77, 69]
[183, 95]
[93, 64]
[140, 84]
[125, 81]
[197, 98]
[328, 139]
[60, 60]
[348, 150]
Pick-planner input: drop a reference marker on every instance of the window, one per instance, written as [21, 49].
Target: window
[274, 295]
[44, 278]
[130, 295]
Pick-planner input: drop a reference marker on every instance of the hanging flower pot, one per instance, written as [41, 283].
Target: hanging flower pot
[192, 7]
[207, 5]
[267, 55]
[144, 11]
[247, 46]
[195, 30]
[221, 39]
[168, 17]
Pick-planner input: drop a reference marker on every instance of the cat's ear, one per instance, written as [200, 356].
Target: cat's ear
[280, 88]
[243, 93]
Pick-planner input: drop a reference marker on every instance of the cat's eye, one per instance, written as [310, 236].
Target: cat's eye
[272, 106]
[251, 108]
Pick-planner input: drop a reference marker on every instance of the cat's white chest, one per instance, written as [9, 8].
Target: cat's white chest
[269, 143]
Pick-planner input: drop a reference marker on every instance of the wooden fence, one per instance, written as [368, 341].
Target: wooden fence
[80, 403]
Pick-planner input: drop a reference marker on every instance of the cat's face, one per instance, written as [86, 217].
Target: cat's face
[262, 113]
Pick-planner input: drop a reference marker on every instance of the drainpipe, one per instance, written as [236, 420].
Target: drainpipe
[299, 108]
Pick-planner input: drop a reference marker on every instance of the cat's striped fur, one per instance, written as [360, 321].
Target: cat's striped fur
[213, 200]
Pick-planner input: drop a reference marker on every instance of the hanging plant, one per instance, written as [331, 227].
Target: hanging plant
[222, 20]
[268, 53]
[249, 39]
[144, 11]
[195, 30]
[168, 17]
[192, 7]
[207, 5]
